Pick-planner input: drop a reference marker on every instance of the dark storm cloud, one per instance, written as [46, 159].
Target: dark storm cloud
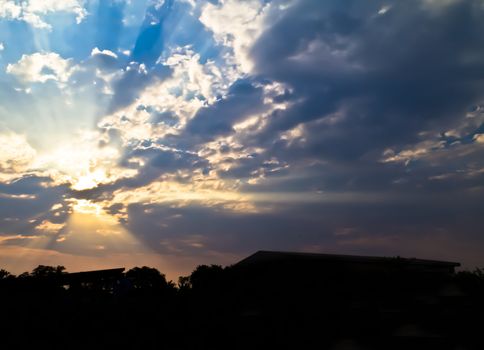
[167, 118]
[254, 165]
[359, 82]
[242, 100]
[24, 185]
[167, 159]
[26, 202]
[395, 226]
[104, 60]
[394, 74]
[190, 230]
[362, 81]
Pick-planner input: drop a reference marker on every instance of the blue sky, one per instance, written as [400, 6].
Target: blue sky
[178, 132]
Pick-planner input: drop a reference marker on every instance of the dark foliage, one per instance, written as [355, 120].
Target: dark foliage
[147, 278]
[239, 308]
[47, 271]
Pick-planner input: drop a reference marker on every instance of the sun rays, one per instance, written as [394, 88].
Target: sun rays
[91, 229]
[87, 232]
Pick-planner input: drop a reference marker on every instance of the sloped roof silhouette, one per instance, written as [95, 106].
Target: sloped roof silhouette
[263, 256]
[95, 275]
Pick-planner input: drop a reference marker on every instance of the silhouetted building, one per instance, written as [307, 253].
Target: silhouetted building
[346, 263]
[357, 276]
[107, 279]
[373, 301]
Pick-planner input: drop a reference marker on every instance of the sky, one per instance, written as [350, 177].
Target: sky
[172, 133]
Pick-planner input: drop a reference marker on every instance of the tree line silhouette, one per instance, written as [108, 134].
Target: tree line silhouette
[219, 307]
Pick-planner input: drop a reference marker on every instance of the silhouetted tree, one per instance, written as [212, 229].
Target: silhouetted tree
[206, 277]
[184, 283]
[148, 278]
[4, 274]
[46, 271]
[471, 281]
[24, 275]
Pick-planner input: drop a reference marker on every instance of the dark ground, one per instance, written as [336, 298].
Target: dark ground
[233, 308]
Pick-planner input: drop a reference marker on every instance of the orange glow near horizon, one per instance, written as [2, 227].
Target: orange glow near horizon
[89, 234]
[90, 228]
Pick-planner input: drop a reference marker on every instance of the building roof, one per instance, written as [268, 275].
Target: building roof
[262, 257]
[87, 276]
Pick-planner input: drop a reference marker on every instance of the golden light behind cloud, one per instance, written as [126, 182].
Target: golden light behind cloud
[90, 229]
[83, 163]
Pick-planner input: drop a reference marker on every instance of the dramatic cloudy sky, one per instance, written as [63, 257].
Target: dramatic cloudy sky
[178, 132]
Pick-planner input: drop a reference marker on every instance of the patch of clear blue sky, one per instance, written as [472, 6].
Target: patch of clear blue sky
[113, 25]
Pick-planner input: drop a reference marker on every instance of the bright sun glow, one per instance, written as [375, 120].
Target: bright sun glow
[83, 163]
[84, 206]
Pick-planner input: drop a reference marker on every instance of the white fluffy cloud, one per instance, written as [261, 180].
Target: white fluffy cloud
[9, 9]
[48, 227]
[236, 24]
[96, 52]
[31, 11]
[191, 86]
[46, 6]
[16, 154]
[40, 67]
